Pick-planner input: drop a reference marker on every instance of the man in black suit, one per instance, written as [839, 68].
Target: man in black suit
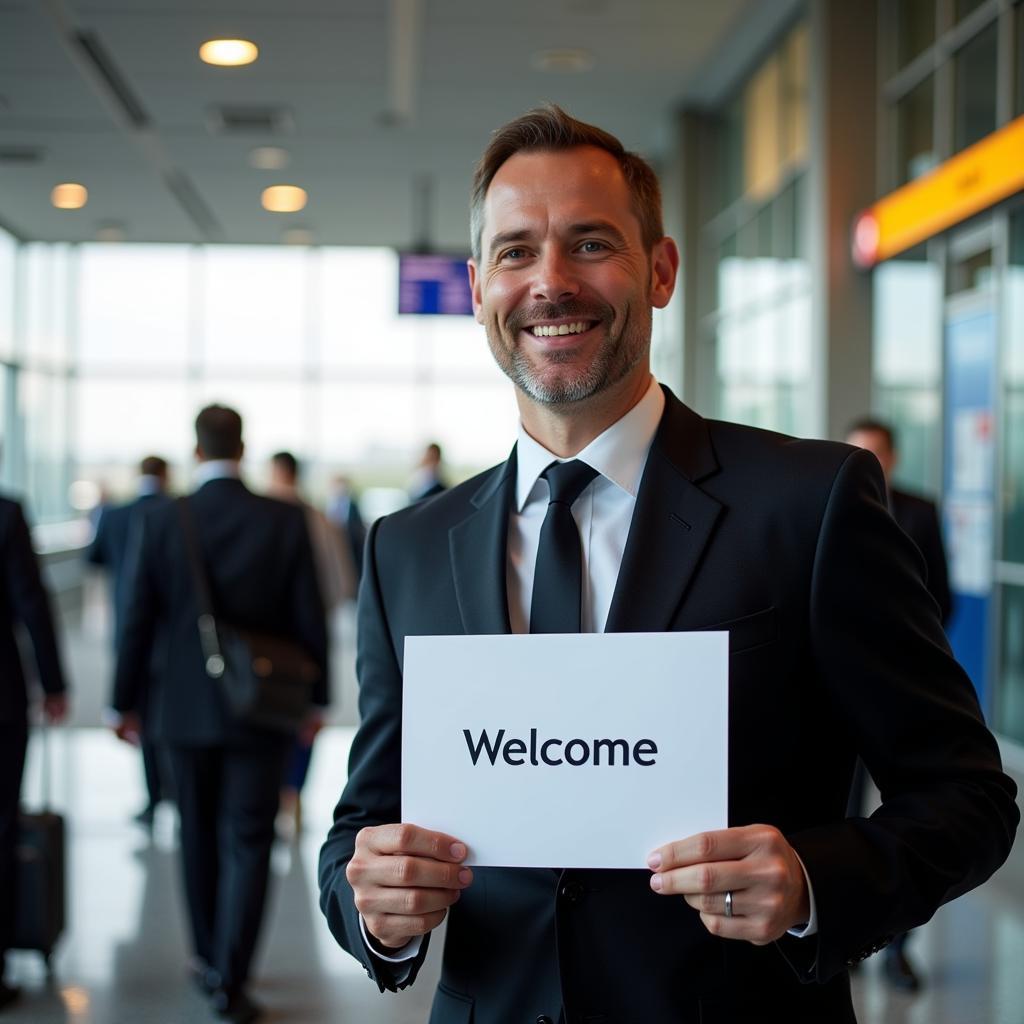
[918, 517]
[257, 555]
[919, 520]
[114, 547]
[427, 481]
[23, 602]
[835, 649]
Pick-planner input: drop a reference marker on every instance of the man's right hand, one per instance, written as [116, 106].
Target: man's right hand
[405, 878]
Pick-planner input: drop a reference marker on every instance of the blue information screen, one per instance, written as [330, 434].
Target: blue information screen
[429, 284]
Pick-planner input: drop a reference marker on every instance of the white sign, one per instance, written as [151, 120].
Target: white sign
[584, 750]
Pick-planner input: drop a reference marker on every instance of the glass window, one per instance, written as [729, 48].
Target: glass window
[120, 420]
[1019, 59]
[915, 28]
[974, 67]
[254, 306]
[42, 416]
[1009, 710]
[8, 256]
[907, 318]
[47, 284]
[730, 153]
[1013, 399]
[915, 132]
[134, 306]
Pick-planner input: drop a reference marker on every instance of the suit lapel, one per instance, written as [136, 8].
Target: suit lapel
[672, 523]
[477, 547]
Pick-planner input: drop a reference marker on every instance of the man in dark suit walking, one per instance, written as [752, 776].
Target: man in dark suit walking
[23, 602]
[919, 519]
[257, 556]
[675, 523]
[114, 548]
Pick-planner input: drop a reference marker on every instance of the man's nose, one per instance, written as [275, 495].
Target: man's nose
[554, 279]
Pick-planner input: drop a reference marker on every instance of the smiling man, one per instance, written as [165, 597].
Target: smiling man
[622, 510]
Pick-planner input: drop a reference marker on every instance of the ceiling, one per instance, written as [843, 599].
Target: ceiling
[385, 106]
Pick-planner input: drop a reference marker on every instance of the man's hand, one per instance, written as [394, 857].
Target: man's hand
[129, 728]
[55, 707]
[405, 878]
[755, 863]
[310, 727]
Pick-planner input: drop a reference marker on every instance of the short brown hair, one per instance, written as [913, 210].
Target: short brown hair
[153, 465]
[551, 128]
[219, 432]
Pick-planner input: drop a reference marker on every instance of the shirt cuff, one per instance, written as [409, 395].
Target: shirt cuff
[811, 927]
[408, 952]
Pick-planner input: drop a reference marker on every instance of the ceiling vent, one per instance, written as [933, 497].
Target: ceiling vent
[20, 156]
[250, 120]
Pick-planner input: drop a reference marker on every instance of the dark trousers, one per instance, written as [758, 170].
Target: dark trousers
[227, 800]
[13, 742]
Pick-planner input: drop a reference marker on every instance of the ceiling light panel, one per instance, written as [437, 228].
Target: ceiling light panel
[228, 53]
[284, 198]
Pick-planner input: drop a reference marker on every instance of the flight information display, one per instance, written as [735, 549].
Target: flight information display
[430, 284]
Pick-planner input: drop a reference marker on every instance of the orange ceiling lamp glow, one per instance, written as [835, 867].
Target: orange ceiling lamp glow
[228, 53]
[982, 175]
[69, 195]
[284, 198]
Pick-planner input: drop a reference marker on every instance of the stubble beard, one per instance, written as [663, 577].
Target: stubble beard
[617, 356]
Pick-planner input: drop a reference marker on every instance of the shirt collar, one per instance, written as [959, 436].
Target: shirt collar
[619, 453]
[149, 484]
[216, 469]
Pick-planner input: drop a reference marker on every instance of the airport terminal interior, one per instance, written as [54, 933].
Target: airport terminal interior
[286, 232]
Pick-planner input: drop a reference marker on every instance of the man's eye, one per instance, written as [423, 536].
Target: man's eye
[513, 254]
[593, 246]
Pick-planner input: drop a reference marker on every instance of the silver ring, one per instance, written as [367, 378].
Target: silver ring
[728, 903]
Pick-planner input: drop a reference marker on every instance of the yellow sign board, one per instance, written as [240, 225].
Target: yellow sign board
[971, 181]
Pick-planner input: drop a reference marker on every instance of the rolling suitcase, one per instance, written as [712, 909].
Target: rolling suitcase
[39, 899]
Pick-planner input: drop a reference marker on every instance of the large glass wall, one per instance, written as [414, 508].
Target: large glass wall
[305, 342]
[907, 334]
[761, 323]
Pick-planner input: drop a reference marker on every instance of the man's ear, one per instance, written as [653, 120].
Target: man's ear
[474, 287]
[664, 267]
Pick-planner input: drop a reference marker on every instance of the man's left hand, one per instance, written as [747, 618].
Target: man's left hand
[755, 863]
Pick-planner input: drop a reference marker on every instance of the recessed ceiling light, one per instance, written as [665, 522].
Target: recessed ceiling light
[269, 158]
[228, 53]
[564, 61]
[284, 198]
[297, 236]
[69, 196]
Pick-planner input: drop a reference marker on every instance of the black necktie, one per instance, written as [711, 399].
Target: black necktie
[557, 579]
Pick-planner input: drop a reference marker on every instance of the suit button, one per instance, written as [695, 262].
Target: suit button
[572, 892]
[544, 1019]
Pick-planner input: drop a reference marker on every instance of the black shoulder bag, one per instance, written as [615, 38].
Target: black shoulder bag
[266, 680]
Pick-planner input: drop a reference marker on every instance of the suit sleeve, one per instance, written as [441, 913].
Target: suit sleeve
[373, 793]
[140, 622]
[948, 816]
[96, 553]
[31, 603]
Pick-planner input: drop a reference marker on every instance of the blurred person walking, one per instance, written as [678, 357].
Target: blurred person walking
[337, 578]
[427, 480]
[113, 548]
[256, 555]
[919, 519]
[23, 603]
[343, 510]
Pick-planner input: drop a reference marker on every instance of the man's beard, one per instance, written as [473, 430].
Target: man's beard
[616, 357]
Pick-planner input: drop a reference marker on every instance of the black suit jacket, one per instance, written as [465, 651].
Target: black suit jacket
[262, 577]
[919, 520]
[23, 599]
[835, 649]
[114, 547]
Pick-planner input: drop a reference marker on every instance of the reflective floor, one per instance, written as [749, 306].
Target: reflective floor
[122, 959]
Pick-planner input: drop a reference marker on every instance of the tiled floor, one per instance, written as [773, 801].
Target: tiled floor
[122, 958]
